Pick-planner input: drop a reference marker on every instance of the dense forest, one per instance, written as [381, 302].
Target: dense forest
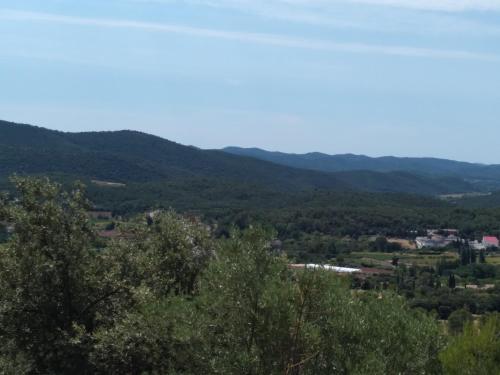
[480, 175]
[231, 189]
[293, 214]
[296, 216]
[133, 157]
[168, 297]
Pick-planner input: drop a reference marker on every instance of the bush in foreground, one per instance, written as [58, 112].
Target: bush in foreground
[168, 299]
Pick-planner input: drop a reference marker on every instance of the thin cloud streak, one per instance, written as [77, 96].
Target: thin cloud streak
[433, 5]
[247, 37]
[410, 17]
[438, 5]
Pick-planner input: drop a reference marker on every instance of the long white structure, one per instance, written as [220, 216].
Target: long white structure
[327, 267]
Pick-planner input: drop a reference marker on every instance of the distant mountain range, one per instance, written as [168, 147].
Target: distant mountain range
[134, 157]
[482, 177]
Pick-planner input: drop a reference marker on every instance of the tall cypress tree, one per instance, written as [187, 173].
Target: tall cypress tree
[451, 281]
[482, 257]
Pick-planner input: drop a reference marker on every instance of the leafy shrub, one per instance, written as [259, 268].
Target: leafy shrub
[476, 351]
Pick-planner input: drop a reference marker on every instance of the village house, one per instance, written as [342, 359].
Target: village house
[476, 245]
[490, 241]
[435, 241]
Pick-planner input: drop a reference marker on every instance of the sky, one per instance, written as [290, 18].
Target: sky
[373, 77]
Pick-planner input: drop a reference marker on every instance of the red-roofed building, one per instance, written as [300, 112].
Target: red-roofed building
[490, 241]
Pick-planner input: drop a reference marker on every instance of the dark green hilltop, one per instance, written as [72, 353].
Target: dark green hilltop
[481, 176]
[134, 157]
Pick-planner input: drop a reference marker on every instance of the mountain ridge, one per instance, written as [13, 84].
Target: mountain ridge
[483, 176]
[320, 155]
[132, 156]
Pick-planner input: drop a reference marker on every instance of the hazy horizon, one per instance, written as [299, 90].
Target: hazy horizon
[258, 147]
[400, 78]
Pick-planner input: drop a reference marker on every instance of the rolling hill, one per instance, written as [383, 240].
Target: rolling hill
[484, 177]
[129, 156]
[134, 157]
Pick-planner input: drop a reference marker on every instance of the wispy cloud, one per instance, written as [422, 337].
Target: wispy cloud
[248, 37]
[438, 5]
[402, 16]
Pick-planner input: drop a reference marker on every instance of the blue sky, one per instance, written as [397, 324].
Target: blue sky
[375, 77]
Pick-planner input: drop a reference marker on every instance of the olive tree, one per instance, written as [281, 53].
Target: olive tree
[256, 316]
[476, 351]
[55, 289]
[161, 260]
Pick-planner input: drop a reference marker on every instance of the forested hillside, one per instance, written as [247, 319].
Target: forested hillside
[128, 156]
[483, 176]
[234, 190]
[133, 157]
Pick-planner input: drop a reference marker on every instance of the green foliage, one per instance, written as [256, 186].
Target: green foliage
[129, 157]
[133, 157]
[452, 283]
[467, 255]
[458, 319]
[445, 301]
[168, 298]
[3, 234]
[444, 266]
[110, 226]
[476, 351]
[485, 201]
[306, 207]
[382, 245]
[54, 288]
[142, 342]
[13, 361]
[487, 176]
[478, 271]
[166, 256]
[63, 301]
[261, 318]
[312, 248]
